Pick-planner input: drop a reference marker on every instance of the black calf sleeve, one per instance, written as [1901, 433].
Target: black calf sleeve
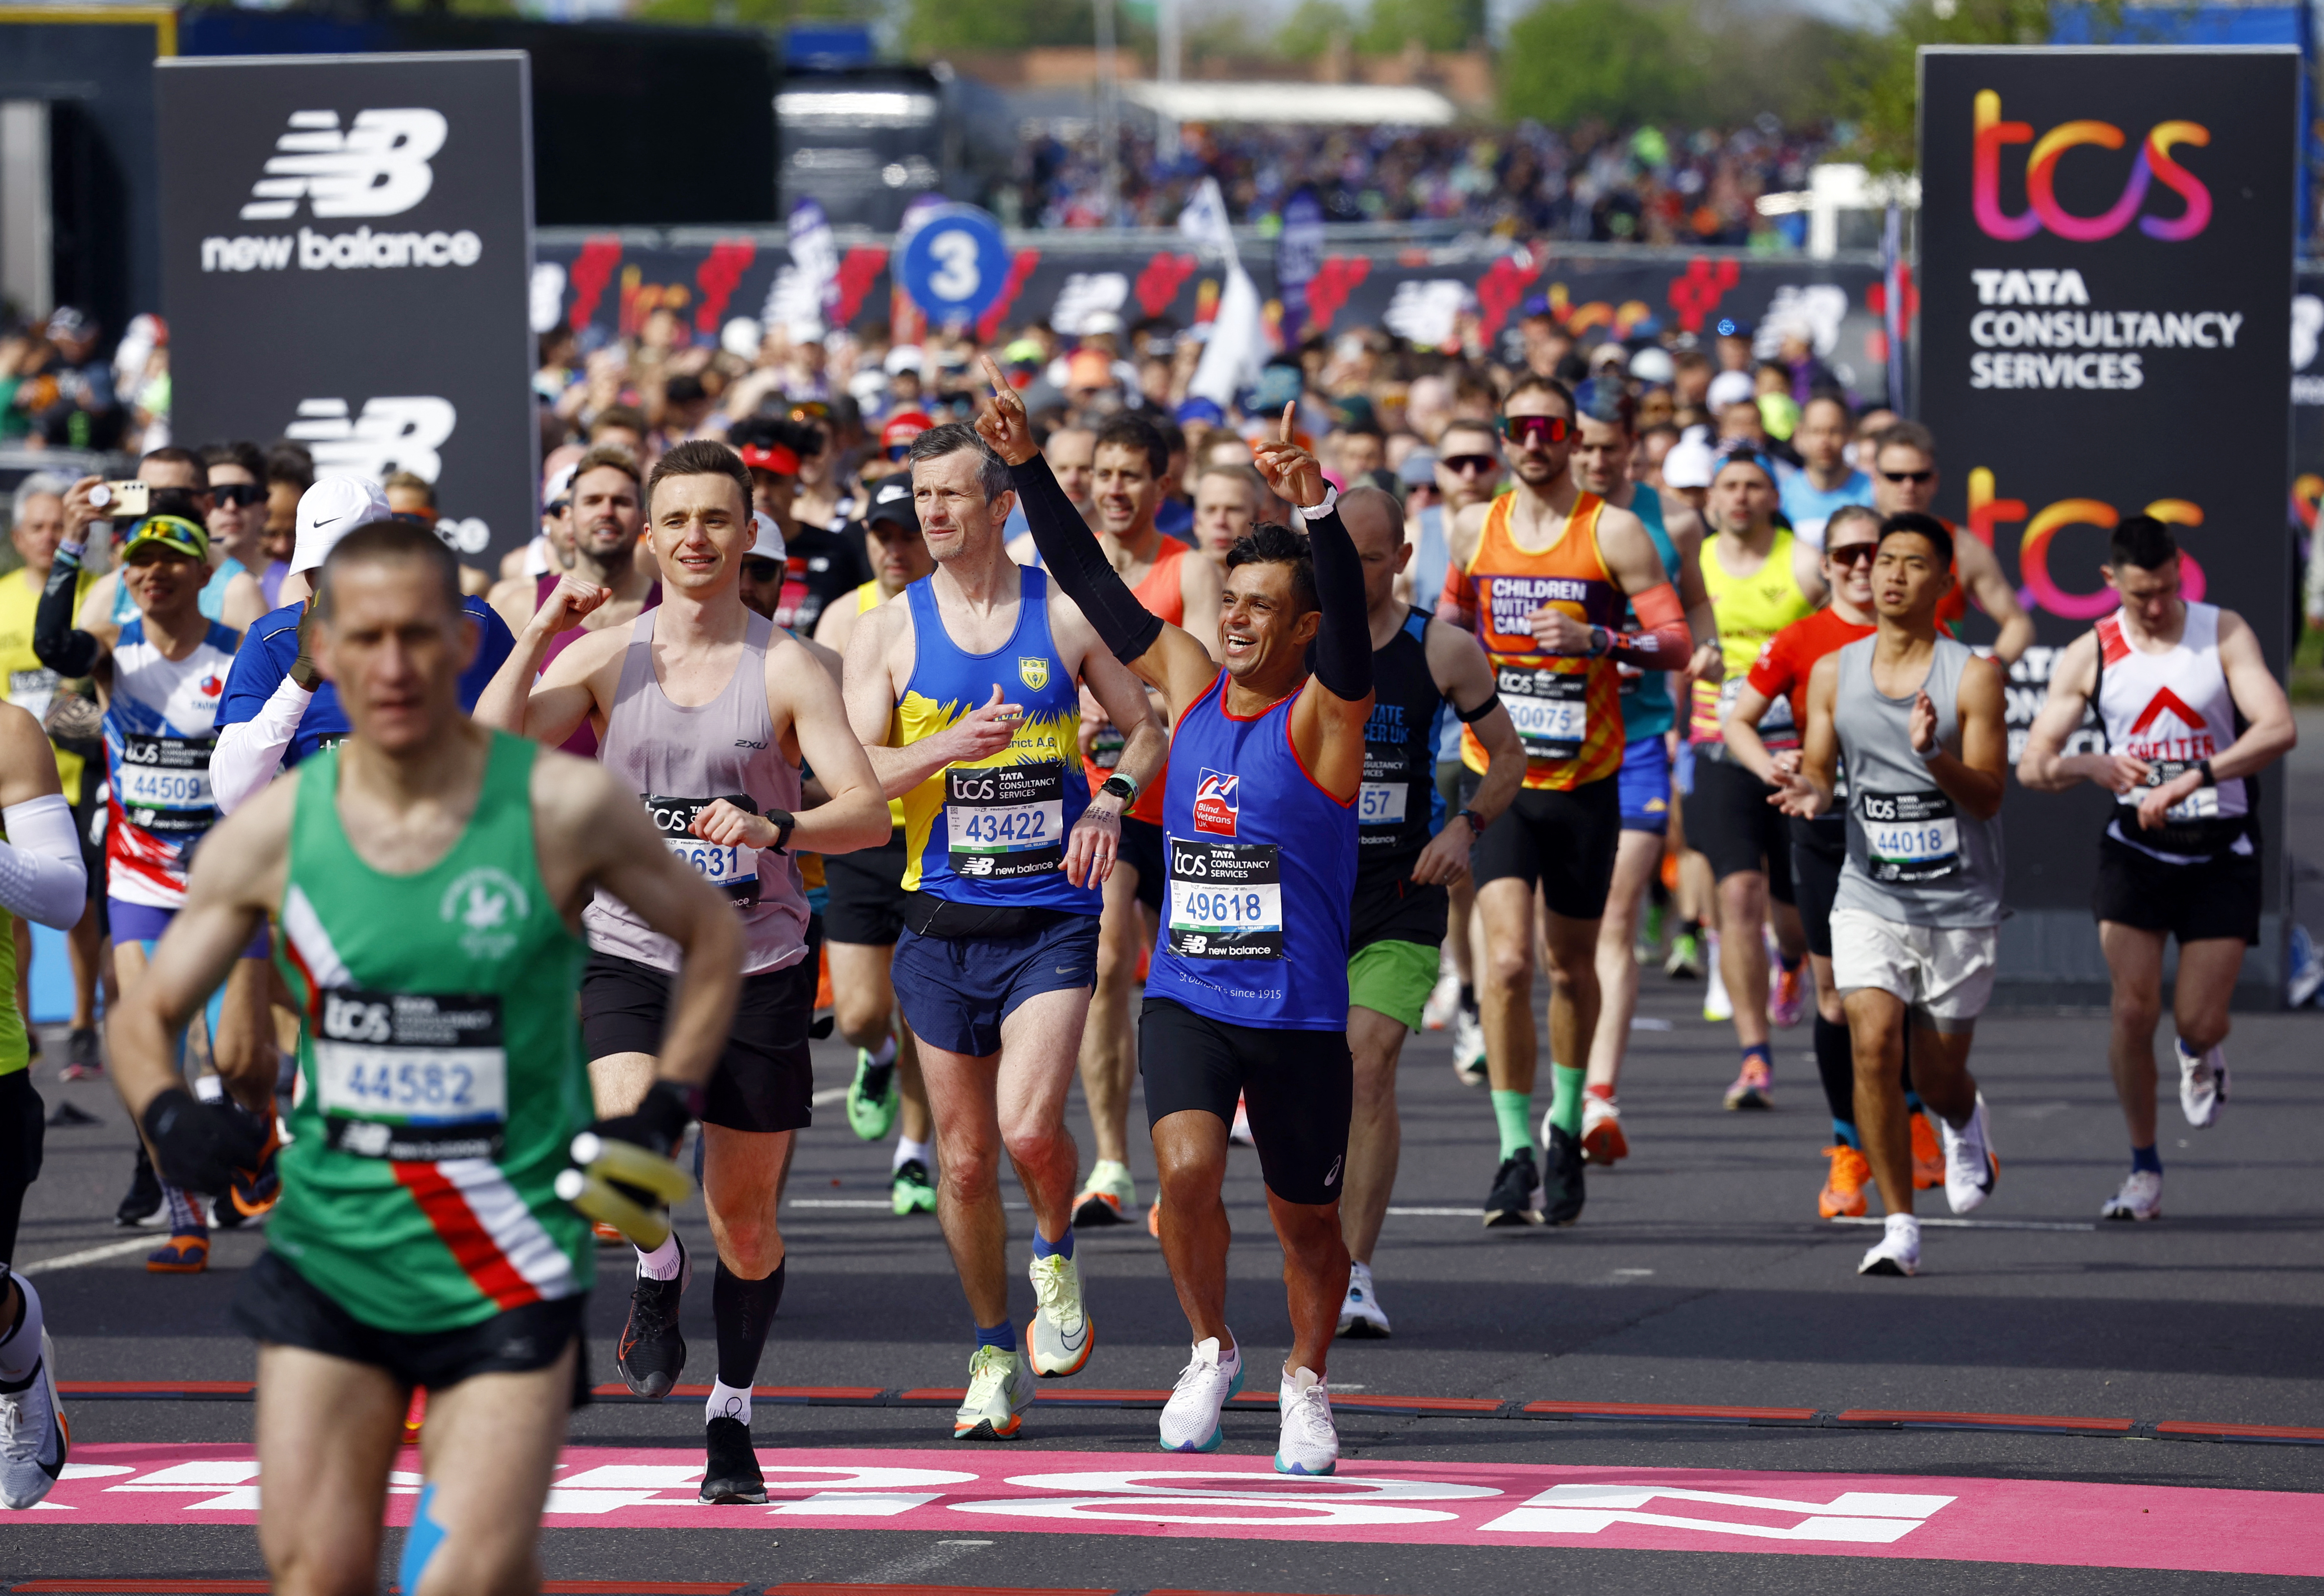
[745, 1310]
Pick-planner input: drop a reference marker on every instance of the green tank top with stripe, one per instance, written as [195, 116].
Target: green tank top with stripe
[16, 1050]
[441, 1065]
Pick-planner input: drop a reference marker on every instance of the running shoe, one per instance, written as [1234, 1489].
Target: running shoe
[1787, 996]
[1716, 1002]
[872, 1098]
[144, 1204]
[1190, 1418]
[1928, 1156]
[731, 1475]
[2202, 1083]
[1970, 1167]
[2141, 1197]
[1154, 1220]
[34, 1438]
[1648, 948]
[1444, 1002]
[1562, 1191]
[1603, 1142]
[186, 1252]
[606, 1235]
[1309, 1444]
[1059, 1336]
[912, 1191]
[1843, 1188]
[651, 1353]
[1361, 1318]
[1469, 1048]
[252, 1192]
[1685, 960]
[1000, 1390]
[1515, 1197]
[1754, 1087]
[1108, 1198]
[1898, 1250]
[1240, 1132]
[81, 1061]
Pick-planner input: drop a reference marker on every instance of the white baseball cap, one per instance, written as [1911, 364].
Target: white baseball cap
[1652, 366]
[768, 544]
[1730, 388]
[560, 486]
[1690, 464]
[330, 510]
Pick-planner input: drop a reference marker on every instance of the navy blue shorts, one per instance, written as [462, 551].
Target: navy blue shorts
[955, 990]
[1645, 785]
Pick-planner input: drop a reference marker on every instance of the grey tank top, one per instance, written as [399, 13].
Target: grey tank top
[1912, 856]
[678, 759]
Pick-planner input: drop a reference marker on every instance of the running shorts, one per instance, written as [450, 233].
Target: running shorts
[1141, 850]
[867, 894]
[2218, 898]
[1563, 841]
[1389, 906]
[955, 991]
[1645, 781]
[277, 1305]
[22, 1130]
[1393, 978]
[142, 922]
[1730, 823]
[1944, 974]
[764, 1079]
[1819, 849]
[1298, 1087]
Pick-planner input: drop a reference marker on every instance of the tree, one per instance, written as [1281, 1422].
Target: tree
[1308, 31]
[1438, 25]
[1881, 91]
[1568, 60]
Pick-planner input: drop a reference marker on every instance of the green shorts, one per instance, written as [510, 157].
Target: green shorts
[1393, 978]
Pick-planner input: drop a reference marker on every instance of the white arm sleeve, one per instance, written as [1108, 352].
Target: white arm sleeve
[41, 876]
[250, 753]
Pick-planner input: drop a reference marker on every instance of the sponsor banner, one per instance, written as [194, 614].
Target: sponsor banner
[2307, 398]
[2058, 1523]
[346, 249]
[2105, 282]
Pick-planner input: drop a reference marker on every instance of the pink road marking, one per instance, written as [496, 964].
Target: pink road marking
[2027, 1521]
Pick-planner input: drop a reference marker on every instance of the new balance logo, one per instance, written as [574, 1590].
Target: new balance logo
[376, 168]
[390, 435]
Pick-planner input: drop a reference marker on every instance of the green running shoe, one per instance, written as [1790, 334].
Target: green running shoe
[872, 1098]
[912, 1191]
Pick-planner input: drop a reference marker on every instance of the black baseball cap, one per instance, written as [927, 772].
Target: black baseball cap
[892, 500]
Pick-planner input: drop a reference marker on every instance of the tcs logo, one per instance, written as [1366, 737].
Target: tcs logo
[2043, 211]
[2041, 591]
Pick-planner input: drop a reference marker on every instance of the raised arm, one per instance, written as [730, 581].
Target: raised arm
[552, 708]
[1327, 727]
[1976, 777]
[880, 652]
[59, 644]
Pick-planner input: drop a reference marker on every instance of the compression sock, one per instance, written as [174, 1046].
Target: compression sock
[1513, 1111]
[908, 1150]
[2141, 1157]
[664, 1262]
[1002, 1335]
[743, 1311]
[1836, 1066]
[186, 1216]
[1044, 1248]
[19, 1346]
[1566, 1098]
[1468, 1000]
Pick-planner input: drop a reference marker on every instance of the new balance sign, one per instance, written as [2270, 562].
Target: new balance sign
[378, 168]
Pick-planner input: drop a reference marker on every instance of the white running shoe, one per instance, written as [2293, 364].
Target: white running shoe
[1190, 1419]
[1970, 1167]
[1057, 1340]
[2141, 1197]
[1309, 1444]
[1240, 1132]
[2202, 1083]
[1468, 1049]
[34, 1440]
[1359, 1310]
[1000, 1390]
[1716, 1002]
[1444, 1002]
[1898, 1250]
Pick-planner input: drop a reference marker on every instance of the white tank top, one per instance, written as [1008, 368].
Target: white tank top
[2173, 710]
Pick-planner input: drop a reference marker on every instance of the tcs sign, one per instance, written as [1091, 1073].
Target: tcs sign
[2043, 210]
[2039, 590]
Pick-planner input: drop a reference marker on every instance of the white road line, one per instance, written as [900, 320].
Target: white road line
[1979, 1224]
[1437, 1212]
[827, 1096]
[93, 1255]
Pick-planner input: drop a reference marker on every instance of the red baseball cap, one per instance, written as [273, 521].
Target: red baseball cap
[903, 427]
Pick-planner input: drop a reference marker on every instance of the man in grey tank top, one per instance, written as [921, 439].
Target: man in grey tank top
[1917, 923]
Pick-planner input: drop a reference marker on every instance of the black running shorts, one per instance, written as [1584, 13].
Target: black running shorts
[1563, 841]
[1730, 823]
[1141, 850]
[276, 1304]
[1298, 1086]
[2194, 902]
[1819, 849]
[867, 894]
[764, 1079]
[23, 1132]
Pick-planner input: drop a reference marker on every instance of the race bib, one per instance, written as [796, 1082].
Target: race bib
[1005, 822]
[411, 1076]
[164, 783]
[1910, 838]
[733, 869]
[1551, 709]
[32, 691]
[1226, 900]
[1381, 803]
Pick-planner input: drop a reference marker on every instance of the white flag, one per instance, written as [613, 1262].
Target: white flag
[1205, 220]
[1237, 349]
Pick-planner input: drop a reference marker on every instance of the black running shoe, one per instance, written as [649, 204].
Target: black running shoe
[732, 1475]
[81, 1060]
[145, 1199]
[651, 1353]
[1562, 1180]
[1516, 1197]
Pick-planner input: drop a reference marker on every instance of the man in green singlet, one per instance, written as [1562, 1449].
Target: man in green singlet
[426, 879]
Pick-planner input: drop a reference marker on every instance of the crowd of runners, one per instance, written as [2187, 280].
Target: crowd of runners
[441, 904]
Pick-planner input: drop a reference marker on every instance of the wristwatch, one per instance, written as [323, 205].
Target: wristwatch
[1121, 787]
[1331, 497]
[2205, 766]
[1476, 821]
[1601, 642]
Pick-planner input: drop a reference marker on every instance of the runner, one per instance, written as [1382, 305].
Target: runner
[41, 879]
[1006, 851]
[867, 896]
[1226, 507]
[1249, 993]
[1425, 673]
[606, 516]
[1604, 452]
[1760, 580]
[229, 593]
[1904, 483]
[2189, 714]
[424, 858]
[1916, 918]
[822, 566]
[160, 680]
[1541, 575]
[706, 715]
[1825, 482]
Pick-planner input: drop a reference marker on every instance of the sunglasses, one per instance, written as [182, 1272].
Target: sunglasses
[1912, 476]
[1854, 554]
[1534, 429]
[1478, 464]
[238, 493]
[896, 451]
[762, 570]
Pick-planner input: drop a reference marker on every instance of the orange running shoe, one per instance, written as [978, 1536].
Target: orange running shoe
[1928, 1158]
[1154, 1220]
[186, 1252]
[1603, 1142]
[1843, 1188]
[415, 1416]
[608, 1236]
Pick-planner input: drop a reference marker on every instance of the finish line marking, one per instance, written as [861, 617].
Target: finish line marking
[1975, 1224]
[2058, 1523]
[93, 1255]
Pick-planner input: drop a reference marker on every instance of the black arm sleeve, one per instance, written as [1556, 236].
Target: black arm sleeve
[1071, 552]
[57, 645]
[1343, 645]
